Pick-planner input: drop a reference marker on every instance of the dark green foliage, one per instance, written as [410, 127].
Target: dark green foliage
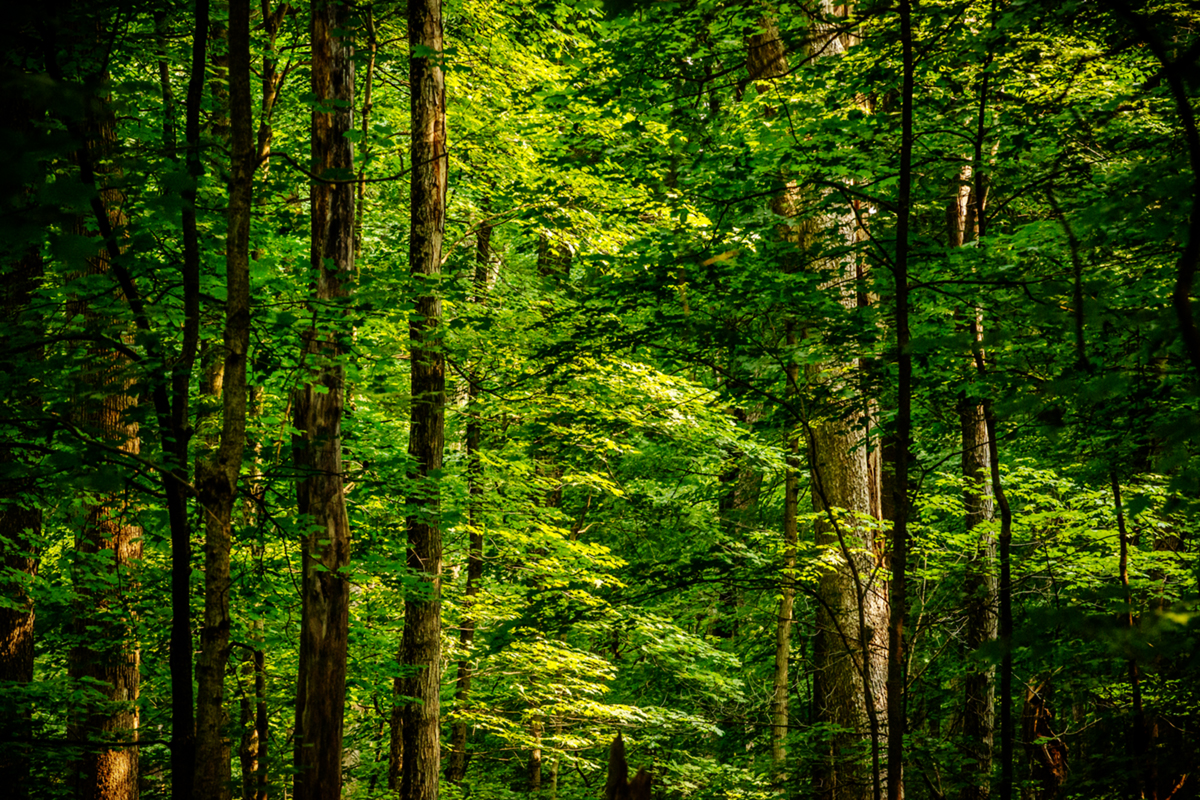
[628, 356]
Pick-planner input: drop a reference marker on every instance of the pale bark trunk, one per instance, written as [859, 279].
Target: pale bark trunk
[318, 406]
[979, 590]
[535, 756]
[421, 645]
[787, 589]
[851, 643]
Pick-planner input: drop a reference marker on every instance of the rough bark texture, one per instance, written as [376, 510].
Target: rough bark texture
[107, 545]
[318, 405]
[850, 646]
[217, 478]
[421, 645]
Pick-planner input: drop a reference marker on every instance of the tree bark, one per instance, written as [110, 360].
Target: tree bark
[108, 544]
[217, 478]
[318, 406]
[850, 647]
[421, 645]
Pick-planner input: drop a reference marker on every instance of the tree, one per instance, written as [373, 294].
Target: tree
[318, 408]
[420, 650]
[218, 479]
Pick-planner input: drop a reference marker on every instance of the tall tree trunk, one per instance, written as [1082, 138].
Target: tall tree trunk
[1139, 736]
[183, 727]
[850, 647]
[318, 404]
[421, 646]
[108, 544]
[217, 478]
[456, 770]
[255, 732]
[979, 580]
[979, 593]
[896, 676]
[787, 589]
[1004, 595]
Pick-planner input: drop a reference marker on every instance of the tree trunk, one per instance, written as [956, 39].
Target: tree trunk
[979, 581]
[897, 674]
[979, 591]
[421, 645]
[850, 645]
[217, 478]
[318, 404]
[535, 756]
[183, 725]
[787, 588]
[456, 770]
[108, 545]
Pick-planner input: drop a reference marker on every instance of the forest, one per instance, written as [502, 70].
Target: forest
[489, 399]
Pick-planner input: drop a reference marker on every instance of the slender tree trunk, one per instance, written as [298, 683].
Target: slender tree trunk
[535, 756]
[318, 404]
[269, 79]
[787, 589]
[456, 770]
[897, 713]
[1007, 733]
[421, 646]
[979, 590]
[766, 61]
[979, 581]
[183, 743]
[217, 479]
[1138, 738]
